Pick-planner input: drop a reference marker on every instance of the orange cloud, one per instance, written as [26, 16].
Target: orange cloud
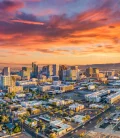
[95, 31]
[28, 22]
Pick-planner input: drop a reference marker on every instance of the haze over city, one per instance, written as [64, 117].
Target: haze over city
[59, 31]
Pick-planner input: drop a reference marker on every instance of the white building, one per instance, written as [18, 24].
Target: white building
[96, 106]
[59, 127]
[26, 83]
[45, 88]
[76, 106]
[91, 87]
[113, 97]
[78, 119]
[20, 95]
[31, 103]
[96, 96]
[59, 102]
[56, 82]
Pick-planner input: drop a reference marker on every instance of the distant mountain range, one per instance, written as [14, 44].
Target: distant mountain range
[107, 66]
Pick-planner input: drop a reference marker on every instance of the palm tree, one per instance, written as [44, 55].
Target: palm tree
[22, 121]
[36, 131]
[82, 134]
[43, 127]
[52, 135]
[87, 117]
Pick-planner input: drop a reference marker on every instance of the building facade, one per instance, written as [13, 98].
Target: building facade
[34, 70]
[6, 71]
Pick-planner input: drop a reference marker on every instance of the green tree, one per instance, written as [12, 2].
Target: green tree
[11, 95]
[43, 127]
[52, 135]
[0, 127]
[71, 112]
[4, 119]
[21, 121]
[36, 131]
[17, 128]
[87, 117]
[82, 134]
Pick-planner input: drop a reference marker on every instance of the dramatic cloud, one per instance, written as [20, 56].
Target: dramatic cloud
[92, 30]
[10, 5]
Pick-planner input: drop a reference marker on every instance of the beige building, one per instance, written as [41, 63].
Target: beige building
[15, 89]
[25, 73]
[113, 97]
[7, 81]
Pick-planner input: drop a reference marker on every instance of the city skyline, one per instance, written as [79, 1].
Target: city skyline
[60, 32]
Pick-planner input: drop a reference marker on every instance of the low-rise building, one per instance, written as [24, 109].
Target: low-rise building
[113, 97]
[45, 117]
[96, 106]
[15, 89]
[14, 106]
[20, 95]
[76, 107]
[56, 82]
[91, 87]
[31, 122]
[31, 103]
[27, 83]
[59, 102]
[63, 88]
[44, 88]
[78, 119]
[59, 127]
[96, 96]
[20, 112]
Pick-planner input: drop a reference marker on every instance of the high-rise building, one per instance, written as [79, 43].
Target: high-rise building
[7, 81]
[96, 70]
[55, 70]
[34, 70]
[25, 73]
[51, 70]
[6, 71]
[12, 80]
[70, 74]
[62, 71]
[89, 71]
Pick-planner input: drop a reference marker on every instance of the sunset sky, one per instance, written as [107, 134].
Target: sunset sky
[60, 31]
